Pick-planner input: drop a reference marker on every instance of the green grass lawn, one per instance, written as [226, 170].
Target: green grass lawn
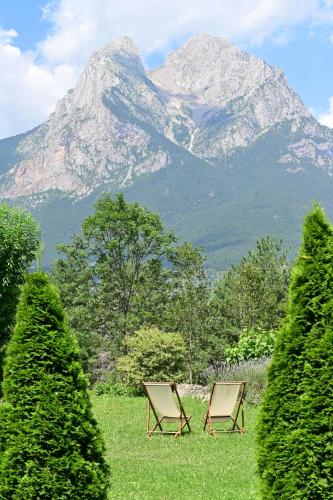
[192, 466]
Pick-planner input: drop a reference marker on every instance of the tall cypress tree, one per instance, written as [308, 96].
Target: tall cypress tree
[50, 446]
[295, 431]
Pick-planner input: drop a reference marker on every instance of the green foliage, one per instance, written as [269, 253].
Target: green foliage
[114, 389]
[253, 293]
[112, 278]
[19, 242]
[187, 307]
[124, 271]
[296, 421]
[253, 343]
[51, 447]
[114, 386]
[153, 355]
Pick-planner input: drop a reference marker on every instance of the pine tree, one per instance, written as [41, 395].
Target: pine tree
[50, 446]
[295, 450]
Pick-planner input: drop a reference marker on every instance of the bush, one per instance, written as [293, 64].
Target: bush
[252, 371]
[296, 421]
[253, 343]
[51, 447]
[114, 389]
[153, 355]
[19, 243]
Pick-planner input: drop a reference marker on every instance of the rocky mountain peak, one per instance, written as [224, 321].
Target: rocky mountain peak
[235, 142]
[220, 97]
[121, 52]
[208, 99]
[212, 68]
[124, 44]
[105, 69]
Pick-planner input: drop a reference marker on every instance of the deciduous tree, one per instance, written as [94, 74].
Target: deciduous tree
[253, 293]
[112, 278]
[19, 242]
[187, 308]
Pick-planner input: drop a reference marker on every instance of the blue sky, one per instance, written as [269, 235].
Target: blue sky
[26, 17]
[307, 61]
[50, 47]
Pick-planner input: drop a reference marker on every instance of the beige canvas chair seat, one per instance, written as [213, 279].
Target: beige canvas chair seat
[170, 419]
[162, 403]
[216, 419]
[226, 402]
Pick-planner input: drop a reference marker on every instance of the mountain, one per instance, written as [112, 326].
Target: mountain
[215, 140]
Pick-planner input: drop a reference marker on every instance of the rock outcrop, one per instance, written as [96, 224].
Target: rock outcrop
[208, 99]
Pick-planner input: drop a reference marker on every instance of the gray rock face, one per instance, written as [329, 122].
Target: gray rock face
[223, 96]
[98, 130]
[222, 99]
[208, 99]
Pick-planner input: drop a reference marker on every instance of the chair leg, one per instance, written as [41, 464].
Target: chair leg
[208, 422]
[234, 419]
[186, 423]
[148, 417]
[180, 427]
[210, 430]
[239, 429]
[205, 424]
[158, 424]
[234, 423]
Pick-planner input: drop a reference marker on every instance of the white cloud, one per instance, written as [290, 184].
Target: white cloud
[29, 89]
[80, 27]
[327, 118]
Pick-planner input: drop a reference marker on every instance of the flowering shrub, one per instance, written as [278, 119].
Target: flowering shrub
[253, 343]
[252, 371]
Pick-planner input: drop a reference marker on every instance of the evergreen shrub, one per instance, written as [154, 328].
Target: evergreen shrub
[50, 446]
[295, 445]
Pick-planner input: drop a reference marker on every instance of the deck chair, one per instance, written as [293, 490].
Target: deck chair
[162, 403]
[226, 402]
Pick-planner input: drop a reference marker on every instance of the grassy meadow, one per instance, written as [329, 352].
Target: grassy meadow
[194, 466]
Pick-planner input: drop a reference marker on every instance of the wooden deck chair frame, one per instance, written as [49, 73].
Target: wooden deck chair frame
[182, 419]
[238, 410]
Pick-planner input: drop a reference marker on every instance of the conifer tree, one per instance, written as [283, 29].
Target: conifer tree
[50, 446]
[295, 445]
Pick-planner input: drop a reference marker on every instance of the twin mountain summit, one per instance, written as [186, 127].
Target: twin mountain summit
[215, 140]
